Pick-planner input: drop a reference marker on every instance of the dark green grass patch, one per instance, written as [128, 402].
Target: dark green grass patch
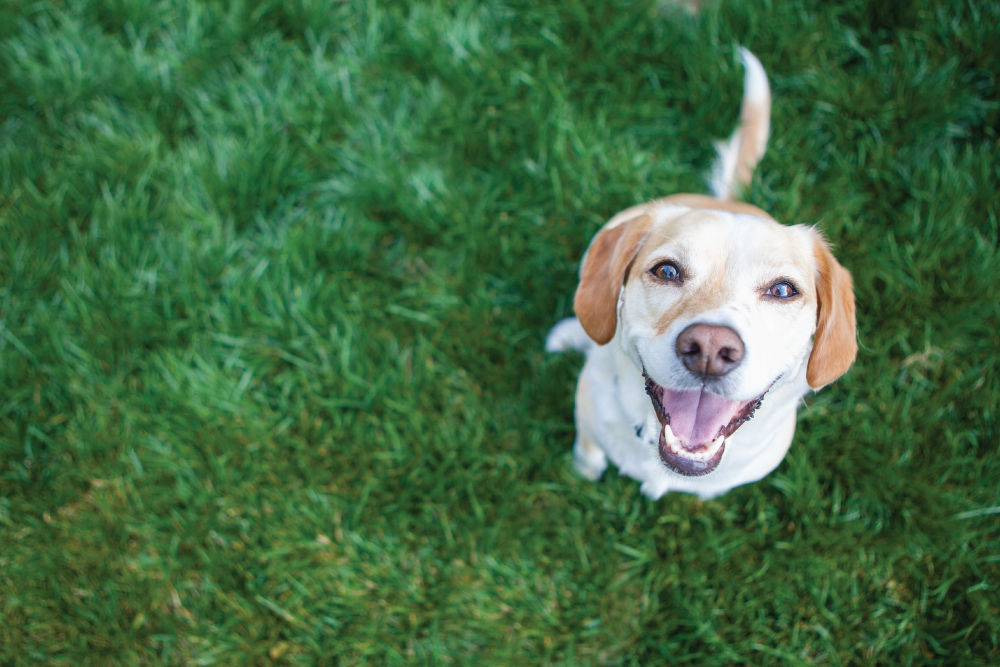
[274, 282]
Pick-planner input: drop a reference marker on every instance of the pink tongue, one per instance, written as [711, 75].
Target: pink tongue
[697, 416]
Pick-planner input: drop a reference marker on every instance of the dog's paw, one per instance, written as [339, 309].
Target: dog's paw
[589, 461]
[588, 471]
[653, 490]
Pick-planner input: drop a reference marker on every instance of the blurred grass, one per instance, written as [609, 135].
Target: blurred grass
[273, 284]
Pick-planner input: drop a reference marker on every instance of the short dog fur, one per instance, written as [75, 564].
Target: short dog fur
[704, 322]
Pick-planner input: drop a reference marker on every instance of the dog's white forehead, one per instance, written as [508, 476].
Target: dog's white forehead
[729, 245]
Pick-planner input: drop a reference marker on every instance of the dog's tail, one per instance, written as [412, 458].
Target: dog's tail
[568, 334]
[740, 154]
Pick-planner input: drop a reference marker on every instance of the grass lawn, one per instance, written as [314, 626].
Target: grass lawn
[274, 281]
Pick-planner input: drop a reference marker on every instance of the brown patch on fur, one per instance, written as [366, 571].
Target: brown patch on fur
[604, 271]
[708, 296]
[713, 204]
[835, 344]
[754, 126]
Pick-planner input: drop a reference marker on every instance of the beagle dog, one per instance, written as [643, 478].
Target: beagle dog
[704, 322]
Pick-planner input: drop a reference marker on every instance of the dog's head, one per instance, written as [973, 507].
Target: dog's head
[716, 307]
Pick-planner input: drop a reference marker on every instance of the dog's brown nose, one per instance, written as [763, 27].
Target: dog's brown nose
[710, 350]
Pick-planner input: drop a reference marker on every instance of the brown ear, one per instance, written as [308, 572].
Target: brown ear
[835, 343]
[605, 269]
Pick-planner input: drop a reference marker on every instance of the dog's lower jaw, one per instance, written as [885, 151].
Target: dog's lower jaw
[689, 463]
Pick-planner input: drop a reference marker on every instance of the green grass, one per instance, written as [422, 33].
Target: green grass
[274, 282]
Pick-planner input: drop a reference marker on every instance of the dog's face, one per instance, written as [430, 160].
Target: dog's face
[716, 307]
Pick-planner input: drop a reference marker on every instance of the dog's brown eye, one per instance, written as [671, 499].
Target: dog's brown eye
[782, 289]
[667, 272]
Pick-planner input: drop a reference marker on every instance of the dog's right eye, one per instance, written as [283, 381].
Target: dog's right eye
[667, 272]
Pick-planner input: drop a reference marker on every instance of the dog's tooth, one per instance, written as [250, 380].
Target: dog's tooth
[716, 445]
[675, 446]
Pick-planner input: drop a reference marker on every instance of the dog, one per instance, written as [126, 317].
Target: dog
[704, 322]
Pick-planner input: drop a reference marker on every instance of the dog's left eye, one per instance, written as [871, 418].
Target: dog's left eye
[667, 272]
[781, 289]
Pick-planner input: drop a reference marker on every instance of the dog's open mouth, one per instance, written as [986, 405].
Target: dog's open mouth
[696, 424]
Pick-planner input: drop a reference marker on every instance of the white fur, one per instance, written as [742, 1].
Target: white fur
[568, 335]
[721, 178]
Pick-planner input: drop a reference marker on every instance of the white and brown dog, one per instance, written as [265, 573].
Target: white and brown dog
[704, 322]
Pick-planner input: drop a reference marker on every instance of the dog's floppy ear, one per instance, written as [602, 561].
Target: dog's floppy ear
[835, 342]
[604, 271]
